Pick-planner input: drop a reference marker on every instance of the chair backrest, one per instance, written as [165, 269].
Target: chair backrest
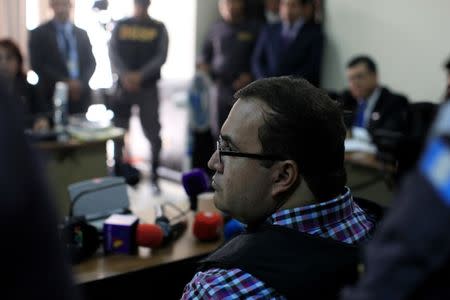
[98, 198]
[422, 116]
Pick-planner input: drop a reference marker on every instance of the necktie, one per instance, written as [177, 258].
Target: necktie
[287, 34]
[66, 41]
[359, 120]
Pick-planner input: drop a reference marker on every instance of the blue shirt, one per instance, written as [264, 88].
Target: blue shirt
[67, 45]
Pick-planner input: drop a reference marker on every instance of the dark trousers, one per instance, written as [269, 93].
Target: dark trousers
[148, 101]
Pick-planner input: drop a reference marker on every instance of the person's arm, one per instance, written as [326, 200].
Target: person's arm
[117, 64]
[206, 55]
[40, 114]
[90, 64]
[153, 67]
[402, 115]
[259, 59]
[39, 57]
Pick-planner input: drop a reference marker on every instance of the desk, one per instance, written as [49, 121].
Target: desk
[367, 177]
[72, 161]
[185, 247]
[151, 272]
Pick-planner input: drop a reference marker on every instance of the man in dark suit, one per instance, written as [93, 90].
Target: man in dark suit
[60, 51]
[292, 47]
[374, 107]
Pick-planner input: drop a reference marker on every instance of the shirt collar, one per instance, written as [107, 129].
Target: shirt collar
[374, 96]
[67, 26]
[370, 104]
[311, 217]
[292, 29]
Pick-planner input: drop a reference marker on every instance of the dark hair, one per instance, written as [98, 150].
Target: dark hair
[144, 3]
[363, 59]
[12, 47]
[304, 2]
[304, 125]
[447, 65]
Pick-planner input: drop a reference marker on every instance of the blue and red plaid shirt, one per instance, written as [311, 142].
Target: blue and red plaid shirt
[340, 219]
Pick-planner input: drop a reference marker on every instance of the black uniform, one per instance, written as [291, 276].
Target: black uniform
[227, 50]
[140, 45]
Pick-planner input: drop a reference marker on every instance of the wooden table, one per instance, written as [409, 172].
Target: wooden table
[185, 247]
[157, 274]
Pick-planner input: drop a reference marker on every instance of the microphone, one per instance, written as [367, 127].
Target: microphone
[159, 234]
[207, 226]
[195, 182]
[149, 235]
[232, 228]
[80, 239]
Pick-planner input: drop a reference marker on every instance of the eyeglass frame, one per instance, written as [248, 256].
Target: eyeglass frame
[258, 156]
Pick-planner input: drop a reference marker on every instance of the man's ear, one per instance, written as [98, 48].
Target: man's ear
[284, 176]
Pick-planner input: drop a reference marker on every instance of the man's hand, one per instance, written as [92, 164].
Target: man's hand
[41, 124]
[242, 81]
[75, 88]
[203, 67]
[131, 81]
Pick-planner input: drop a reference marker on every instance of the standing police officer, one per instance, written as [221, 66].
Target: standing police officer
[226, 55]
[138, 49]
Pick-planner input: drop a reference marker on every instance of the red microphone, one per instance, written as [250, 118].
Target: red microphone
[160, 233]
[149, 235]
[207, 226]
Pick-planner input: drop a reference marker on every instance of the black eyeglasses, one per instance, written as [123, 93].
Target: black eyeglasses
[244, 154]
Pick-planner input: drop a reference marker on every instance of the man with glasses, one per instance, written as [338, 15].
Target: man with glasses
[279, 169]
[374, 107]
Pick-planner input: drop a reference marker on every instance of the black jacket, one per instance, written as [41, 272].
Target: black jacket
[139, 45]
[297, 265]
[301, 58]
[391, 111]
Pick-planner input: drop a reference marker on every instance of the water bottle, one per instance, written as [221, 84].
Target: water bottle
[60, 111]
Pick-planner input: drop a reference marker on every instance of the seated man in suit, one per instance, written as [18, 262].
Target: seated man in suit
[292, 47]
[60, 51]
[279, 168]
[374, 106]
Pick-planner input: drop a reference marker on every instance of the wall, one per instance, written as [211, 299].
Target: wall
[12, 22]
[408, 40]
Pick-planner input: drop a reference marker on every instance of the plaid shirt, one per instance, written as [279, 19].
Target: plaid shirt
[340, 219]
